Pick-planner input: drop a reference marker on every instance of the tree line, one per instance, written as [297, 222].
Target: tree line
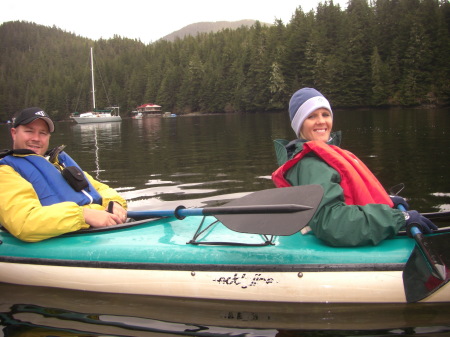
[377, 53]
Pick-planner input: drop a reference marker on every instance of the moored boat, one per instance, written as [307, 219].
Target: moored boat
[110, 114]
[98, 116]
[168, 114]
[137, 115]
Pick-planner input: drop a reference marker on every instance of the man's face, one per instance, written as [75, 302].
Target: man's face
[34, 136]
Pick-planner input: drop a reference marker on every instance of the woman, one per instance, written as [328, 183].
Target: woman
[355, 209]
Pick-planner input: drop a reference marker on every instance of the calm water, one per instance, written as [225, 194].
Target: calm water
[203, 160]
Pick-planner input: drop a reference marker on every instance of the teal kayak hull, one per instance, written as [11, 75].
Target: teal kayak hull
[166, 241]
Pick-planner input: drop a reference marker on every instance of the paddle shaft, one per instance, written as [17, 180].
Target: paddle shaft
[437, 215]
[181, 212]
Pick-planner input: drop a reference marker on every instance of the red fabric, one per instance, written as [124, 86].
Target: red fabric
[360, 186]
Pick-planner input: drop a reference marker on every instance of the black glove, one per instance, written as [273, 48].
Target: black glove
[399, 201]
[414, 218]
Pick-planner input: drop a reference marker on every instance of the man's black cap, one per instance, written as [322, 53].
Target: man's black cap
[28, 115]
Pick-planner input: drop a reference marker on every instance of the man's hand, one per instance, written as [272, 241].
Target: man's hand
[118, 210]
[97, 218]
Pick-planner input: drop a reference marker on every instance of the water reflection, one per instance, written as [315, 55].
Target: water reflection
[93, 138]
[18, 322]
[38, 311]
[108, 134]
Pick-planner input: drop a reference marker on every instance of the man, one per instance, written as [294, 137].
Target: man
[44, 193]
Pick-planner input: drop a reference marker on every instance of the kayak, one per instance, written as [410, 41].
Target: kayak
[202, 258]
[255, 248]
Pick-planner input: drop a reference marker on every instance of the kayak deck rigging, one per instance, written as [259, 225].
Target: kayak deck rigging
[203, 228]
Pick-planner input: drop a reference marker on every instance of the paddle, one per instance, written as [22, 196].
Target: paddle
[277, 211]
[426, 269]
[181, 212]
[395, 190]
[437, 215]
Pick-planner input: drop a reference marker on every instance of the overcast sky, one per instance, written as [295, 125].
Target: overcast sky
[147, 20]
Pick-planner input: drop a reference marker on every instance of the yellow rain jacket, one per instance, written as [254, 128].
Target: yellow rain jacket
[22, 214]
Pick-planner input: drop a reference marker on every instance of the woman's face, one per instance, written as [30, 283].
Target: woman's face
[317, 126]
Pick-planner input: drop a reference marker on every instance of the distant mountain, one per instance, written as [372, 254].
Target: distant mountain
[208, 27]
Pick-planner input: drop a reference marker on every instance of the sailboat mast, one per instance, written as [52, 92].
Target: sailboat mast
[92, 76]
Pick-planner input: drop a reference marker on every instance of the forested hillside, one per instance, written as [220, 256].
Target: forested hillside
[391, 52]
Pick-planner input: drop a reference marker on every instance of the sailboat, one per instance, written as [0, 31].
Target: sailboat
[110, 114]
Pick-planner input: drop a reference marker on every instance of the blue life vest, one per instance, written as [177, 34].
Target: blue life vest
[47, 180]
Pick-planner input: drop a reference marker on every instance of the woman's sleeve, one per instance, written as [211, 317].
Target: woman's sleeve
[340, 224]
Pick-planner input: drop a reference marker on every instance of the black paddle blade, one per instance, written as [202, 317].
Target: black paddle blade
[419, 279]
[274, 223]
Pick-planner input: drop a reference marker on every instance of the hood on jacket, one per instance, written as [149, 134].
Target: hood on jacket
[285, 150]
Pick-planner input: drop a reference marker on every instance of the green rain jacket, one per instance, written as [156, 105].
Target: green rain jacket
[335, 222]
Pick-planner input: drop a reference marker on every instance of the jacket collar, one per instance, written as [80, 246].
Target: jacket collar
[295, 146]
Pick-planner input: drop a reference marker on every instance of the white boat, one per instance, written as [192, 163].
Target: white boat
[110, 114]
[98, 117]
[137, 115]
[169, 115]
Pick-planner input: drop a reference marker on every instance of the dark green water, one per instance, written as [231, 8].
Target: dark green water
[158, 160]
[198, 160]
